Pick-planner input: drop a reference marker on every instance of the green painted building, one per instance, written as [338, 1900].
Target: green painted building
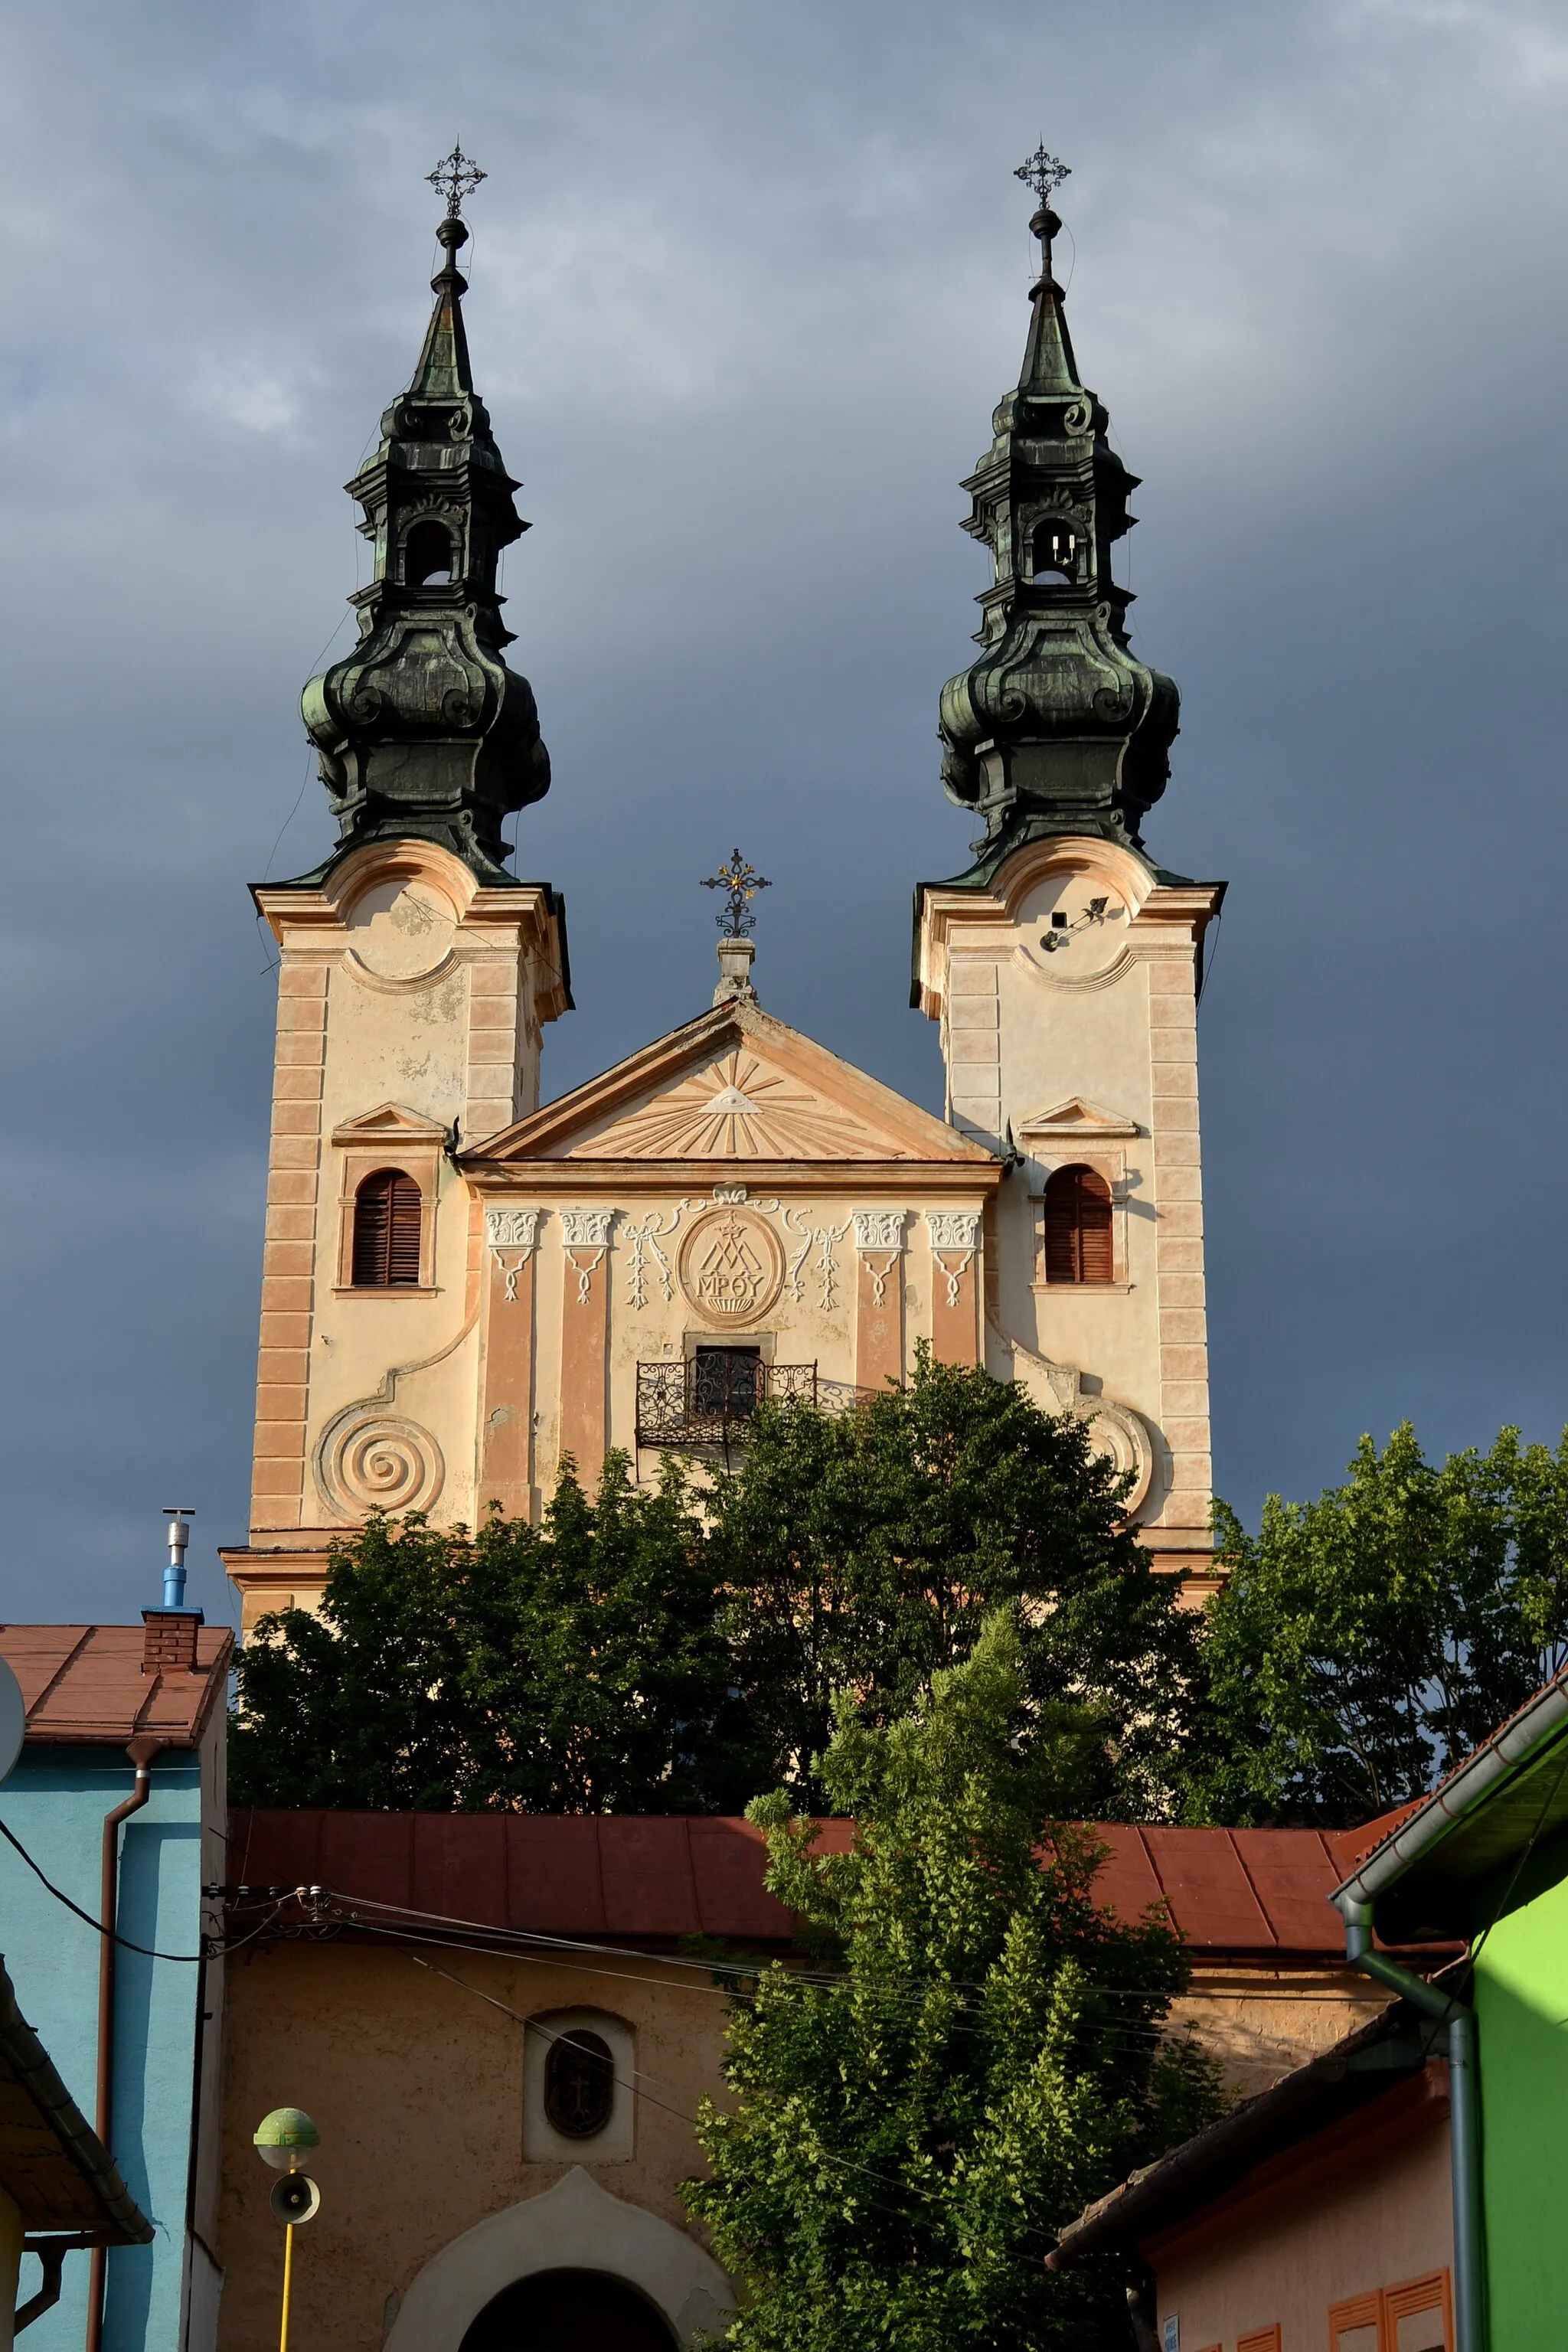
[1483, 1862]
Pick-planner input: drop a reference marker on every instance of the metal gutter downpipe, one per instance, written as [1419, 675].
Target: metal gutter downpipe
[141, 1752]
[1471, 2330]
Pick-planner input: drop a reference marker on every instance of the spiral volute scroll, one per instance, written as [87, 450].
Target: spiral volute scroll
[370, 1460]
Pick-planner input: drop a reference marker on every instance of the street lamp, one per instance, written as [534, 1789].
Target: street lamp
[284, 2140]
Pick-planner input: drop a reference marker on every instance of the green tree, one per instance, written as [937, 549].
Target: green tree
[1361, 1645]
[977, 2053]
[862, 1551]
[679, 1650]
[575, 1667]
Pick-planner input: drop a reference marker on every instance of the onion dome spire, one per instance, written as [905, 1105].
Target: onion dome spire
[423, 730]
[1057, 726]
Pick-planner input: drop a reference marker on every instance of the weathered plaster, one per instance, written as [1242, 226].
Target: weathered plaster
[417, 2086]
[576, 2225]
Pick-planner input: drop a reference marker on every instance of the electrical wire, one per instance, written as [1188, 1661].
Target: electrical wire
[841, 2163]
[1130, 2038]
[147, 1951]
[521, 1940]
[900, 2187]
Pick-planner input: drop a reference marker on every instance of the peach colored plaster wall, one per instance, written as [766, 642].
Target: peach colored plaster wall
[1373, 2228]
[1109, 1020]
[586, 1353]
[417, 2088]
[402, 983]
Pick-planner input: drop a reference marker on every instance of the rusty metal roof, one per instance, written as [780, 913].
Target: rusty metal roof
[87, 1683]
[1248, 1894]
[1236, 1891]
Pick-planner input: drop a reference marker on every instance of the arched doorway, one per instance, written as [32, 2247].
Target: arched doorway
[568, 2311]
[575, 2227]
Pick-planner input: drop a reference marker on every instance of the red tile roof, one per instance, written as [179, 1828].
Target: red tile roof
[87, 1683]
[1246, 1893]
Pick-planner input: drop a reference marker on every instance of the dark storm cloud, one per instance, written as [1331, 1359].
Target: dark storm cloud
[747, 284]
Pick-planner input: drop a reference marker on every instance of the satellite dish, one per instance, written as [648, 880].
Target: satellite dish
[13, 1719]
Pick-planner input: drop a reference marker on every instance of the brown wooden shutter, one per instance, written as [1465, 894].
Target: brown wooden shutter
[386, 1230]
[1078, 1227]
[402, 1246]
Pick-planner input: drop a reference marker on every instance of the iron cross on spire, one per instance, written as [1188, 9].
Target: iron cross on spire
[743, 882]
[1044, 174]
[457, 175]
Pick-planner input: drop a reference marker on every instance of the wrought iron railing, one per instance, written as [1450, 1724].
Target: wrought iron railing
[709, 1401]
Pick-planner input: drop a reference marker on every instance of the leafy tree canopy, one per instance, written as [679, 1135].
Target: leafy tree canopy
[1363, 1643]
[861, 1553]
[575, 1667]
[977, 2054]
[679, 1649]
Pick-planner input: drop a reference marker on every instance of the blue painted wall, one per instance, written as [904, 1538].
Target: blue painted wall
[55, 1801]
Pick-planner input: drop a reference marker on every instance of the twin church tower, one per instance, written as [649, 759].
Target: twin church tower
[462, 1287]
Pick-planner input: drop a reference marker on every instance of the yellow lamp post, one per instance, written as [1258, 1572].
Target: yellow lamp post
[284, 2139]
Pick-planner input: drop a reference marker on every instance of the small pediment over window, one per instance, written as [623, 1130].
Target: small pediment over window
[1076, 1116]
[390, 1122]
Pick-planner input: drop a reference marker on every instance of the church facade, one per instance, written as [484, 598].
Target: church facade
[463, 1288]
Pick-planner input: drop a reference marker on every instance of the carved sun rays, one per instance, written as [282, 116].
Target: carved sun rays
[735, 1108]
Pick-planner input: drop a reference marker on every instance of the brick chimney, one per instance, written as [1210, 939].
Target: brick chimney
[170, 1640]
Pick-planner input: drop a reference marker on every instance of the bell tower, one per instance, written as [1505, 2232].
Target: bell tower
[414, 975]
[1064, 964]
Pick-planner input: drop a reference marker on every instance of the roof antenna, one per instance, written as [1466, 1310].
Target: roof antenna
[179, 1516]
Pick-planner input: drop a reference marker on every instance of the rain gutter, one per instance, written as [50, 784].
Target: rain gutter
[1463, 2115]
[1425, 1829]
[1459, 1794]
[141, 1752]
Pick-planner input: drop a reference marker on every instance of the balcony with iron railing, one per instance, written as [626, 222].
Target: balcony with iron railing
[708, 1402]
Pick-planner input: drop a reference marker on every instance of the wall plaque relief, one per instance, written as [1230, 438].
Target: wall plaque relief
[401, 933]
[511, 1229]
[732, 1266]
[588, 1230]
[824, 1240]
[880, 1233]
[1115, 1431]
[643, 1240]
[373, 1461]
[954, 1235]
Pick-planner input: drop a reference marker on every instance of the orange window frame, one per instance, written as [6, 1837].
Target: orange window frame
[1385, 2307]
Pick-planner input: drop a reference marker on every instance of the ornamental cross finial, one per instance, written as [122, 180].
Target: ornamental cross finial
[742, 883]
[457, 175]
[1044, 174]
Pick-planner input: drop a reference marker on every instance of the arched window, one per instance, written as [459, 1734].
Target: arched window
[428, 555]
[579, 2084]
[569, 2311]
[386, 1230]
[1078, 1226]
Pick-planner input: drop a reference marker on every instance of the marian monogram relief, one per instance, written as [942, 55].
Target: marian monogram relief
[732, 1268]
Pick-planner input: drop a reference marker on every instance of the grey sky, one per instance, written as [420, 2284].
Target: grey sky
[747, 282]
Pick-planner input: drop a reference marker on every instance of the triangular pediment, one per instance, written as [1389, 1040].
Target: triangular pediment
[1076, 1116]
[734, 1087]
[390, 1121]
